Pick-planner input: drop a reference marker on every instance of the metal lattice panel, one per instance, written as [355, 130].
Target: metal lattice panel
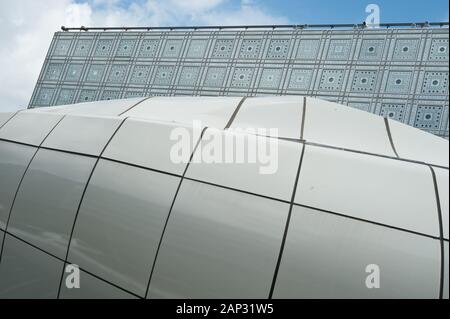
[396, 70]
[428, 117]
[393, 111]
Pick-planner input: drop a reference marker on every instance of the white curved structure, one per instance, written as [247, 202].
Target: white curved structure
[355, 198]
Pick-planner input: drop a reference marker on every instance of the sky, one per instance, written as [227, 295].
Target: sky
[27, 26]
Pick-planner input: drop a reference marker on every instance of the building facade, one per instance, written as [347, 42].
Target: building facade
[95, 185]
[397, 72]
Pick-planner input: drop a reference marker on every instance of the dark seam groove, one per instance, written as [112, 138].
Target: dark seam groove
[81, 201]
[391, 141]
[237, 190]
[238, 107]
[67, 152]
[441, 231]
[371, 154]
[18, 143]
[286, 229]
[33, 245]
[12, 116]
[302, 128]
[367, 221]
[20, 184]
[108, 282]
[134, 105]
[139, 166]
[62, 260]
[170, 211]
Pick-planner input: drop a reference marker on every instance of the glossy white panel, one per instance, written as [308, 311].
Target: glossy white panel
[337, 125]
[92, 288]
[82, 134]
[272, 175]
[210, 111]
[14, 159]
[387, 191]
[29, 127]
[47, 201]
[283, 113]
[445, 293]
[99, 108]
[4, 117]
[442, 180]
[326, 256]
[27, 273]
[149, 144]
[120, 223]
[418, 145]
[218, 243]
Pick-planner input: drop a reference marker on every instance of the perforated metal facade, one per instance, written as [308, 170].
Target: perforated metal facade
[398, 73]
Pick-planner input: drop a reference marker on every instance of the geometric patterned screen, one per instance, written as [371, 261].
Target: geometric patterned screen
[398, 73]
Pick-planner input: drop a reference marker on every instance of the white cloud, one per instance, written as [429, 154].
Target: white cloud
[248, 13]
[195, 5]
[28, 27]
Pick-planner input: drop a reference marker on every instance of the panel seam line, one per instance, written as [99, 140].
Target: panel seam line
[238, 107]
[10, 118]
[170, 212]
[134, 105]
[441, 231]
[81, 201]
[62, 260]
[391, 140]
[302, 128]
[20, 183]
[286, 229]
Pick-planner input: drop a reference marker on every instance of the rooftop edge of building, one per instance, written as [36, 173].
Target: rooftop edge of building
[363, 25]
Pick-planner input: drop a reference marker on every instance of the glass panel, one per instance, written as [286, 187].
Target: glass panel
[120, 223]
[218, 243]
[150, 144]
[270, 175]
[14, 159]
[82, 134]
[328, 256]
[210, 111]
[99, 108]
[382, 190]
[29, 127]
[48, 199]
[413, 144]
[336, 125]
[26, 272]
[259, 113]
[4, 117]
